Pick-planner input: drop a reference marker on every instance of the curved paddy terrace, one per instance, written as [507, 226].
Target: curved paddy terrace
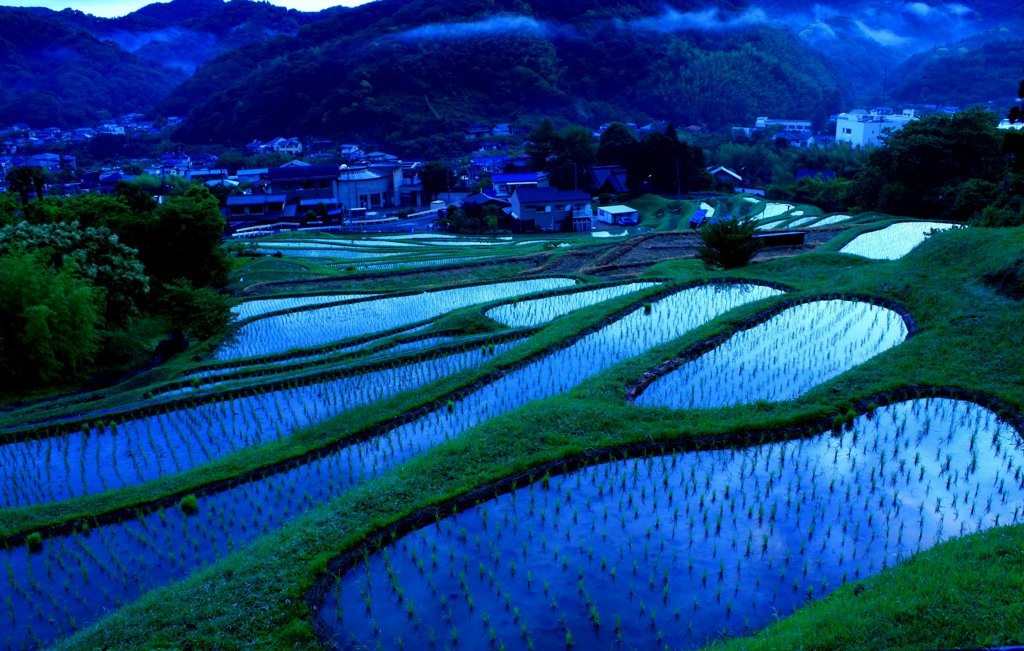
[678, 550]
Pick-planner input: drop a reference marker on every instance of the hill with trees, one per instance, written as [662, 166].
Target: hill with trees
[416, 70]
[70, 69]
[980, 74]
[56, 74]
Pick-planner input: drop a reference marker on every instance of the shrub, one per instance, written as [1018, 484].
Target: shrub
[34, 541]
[189, 504]
[727, 243]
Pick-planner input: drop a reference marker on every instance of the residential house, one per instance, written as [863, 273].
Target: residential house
[364, 187]
[794, 126]
[108, 182]
[350, 153]
[381, 157]
[477, 131]
[550, 209]
[482, 162]
[723, 174]
[111, 129]
[299, 183]
[795, 138]
[480, 199]
[252, 175]
[202, 175]
[863, 128]
[246, 209]
[49, 162]
[411, 191]
[289, 146]
[505, 185]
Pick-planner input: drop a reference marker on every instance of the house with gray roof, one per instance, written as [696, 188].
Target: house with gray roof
[551, 209]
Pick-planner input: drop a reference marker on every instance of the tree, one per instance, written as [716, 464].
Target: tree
[617, 146]
[94, 254]
[436, 178]
[26, 179]
[727, 243]
[182, 240]
[921, 169]
[50, 332]
[198, 313]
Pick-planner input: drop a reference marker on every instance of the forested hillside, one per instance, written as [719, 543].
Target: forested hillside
[69, 68]
[962, 76]
[397, 71]
[53, 74]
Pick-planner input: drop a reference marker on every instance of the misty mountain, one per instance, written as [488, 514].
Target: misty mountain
[55, 74]
[962, 75]
[69, 68]
[406, 71]
[416, 70]
[183, 34]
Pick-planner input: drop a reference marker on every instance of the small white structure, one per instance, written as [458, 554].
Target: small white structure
[1006, 124]
[619, 215]
[866, 128]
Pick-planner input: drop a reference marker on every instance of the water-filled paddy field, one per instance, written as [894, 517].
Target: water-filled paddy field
[678, 550]
[893, 242]
[135, 450]
[784, 357]
[320, 326]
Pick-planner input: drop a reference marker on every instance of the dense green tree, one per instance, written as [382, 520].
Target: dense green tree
[542, 143]
[138, 198]
[25, 180]
[10, 208]
[922, 168]
[436, 178]
[197, 313]
[94, 254]
[618, 145]
[50, 332]
[666, 164]
[182, 240]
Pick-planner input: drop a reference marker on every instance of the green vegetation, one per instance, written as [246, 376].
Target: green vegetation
[189, 503]
[90, 280]
[51, 329]
[981, 73]
[727, 243]
[34, 541]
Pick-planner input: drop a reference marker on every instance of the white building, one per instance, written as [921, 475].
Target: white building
[867, 128]
[1006, 124]
[619, 215]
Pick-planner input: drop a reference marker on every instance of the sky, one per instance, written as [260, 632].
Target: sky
[113, 8]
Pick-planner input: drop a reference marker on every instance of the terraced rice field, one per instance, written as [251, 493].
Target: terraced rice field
[678, 550]
[893, 242]
[462, 467]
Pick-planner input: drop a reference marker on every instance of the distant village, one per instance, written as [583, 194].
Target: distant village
[335, 184]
